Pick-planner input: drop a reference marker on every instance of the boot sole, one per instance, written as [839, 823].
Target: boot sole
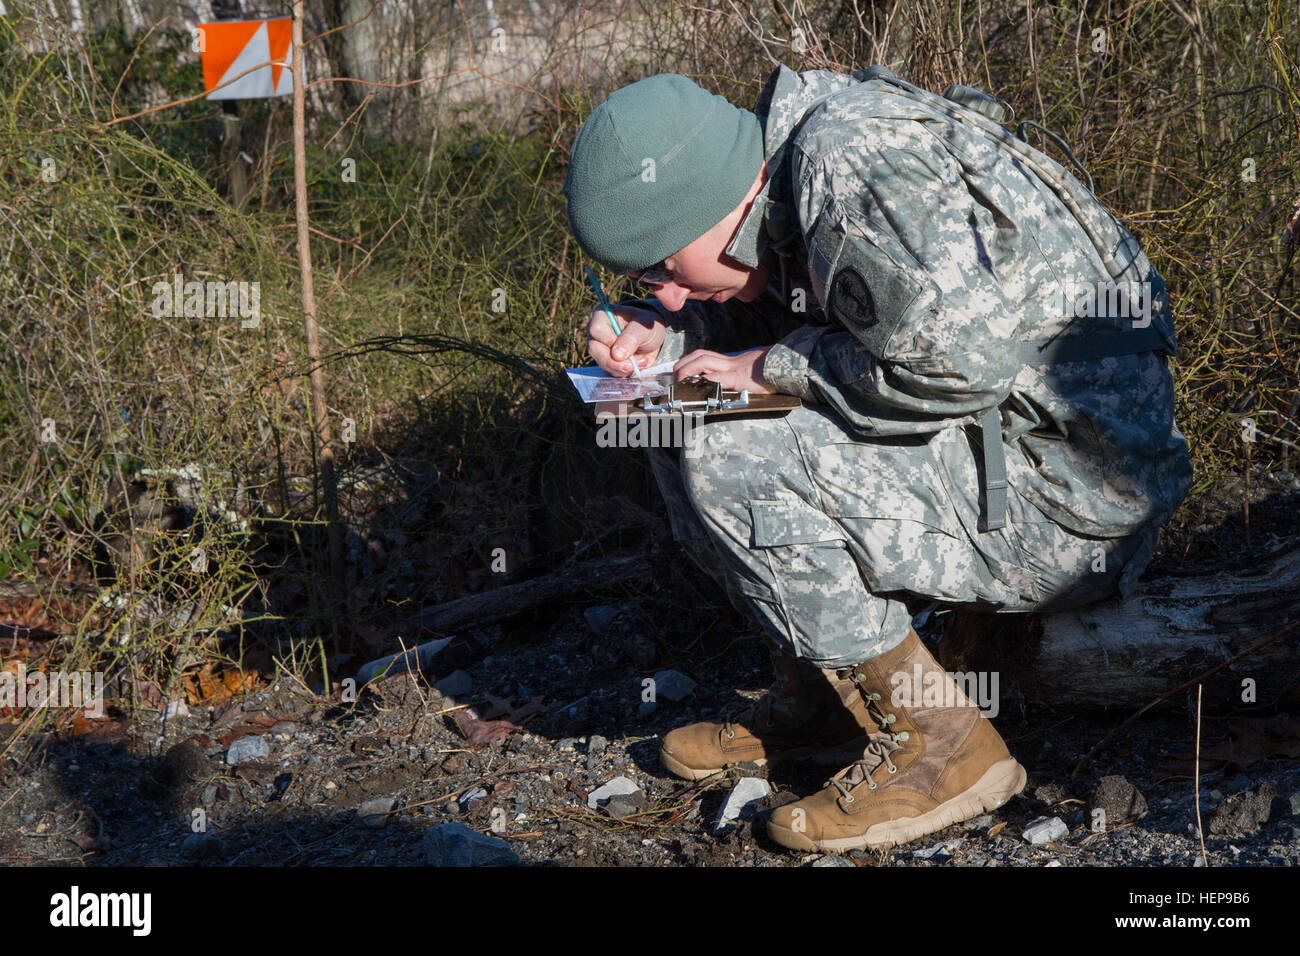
[1000, 783]
[835, 755]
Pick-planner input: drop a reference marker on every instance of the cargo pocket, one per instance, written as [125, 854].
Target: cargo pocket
[1076, 571]
[901, 527]
[814, 595]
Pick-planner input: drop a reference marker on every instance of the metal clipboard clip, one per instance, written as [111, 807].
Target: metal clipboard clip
[697, 395]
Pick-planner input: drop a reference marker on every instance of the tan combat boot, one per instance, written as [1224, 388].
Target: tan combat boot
[933, 761]
[808, 712]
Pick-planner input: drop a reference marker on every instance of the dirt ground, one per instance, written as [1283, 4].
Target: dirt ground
[542, 711]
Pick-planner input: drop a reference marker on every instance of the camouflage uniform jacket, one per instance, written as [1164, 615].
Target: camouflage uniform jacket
[939, 269]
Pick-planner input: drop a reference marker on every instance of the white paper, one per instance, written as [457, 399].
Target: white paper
[594, 384]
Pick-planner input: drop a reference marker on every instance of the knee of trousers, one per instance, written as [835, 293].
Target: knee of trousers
[791, 563]
[719, 482]
[717, 494]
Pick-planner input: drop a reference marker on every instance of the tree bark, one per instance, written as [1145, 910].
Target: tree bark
[1126, 653]
[499, 603]
[358, 52]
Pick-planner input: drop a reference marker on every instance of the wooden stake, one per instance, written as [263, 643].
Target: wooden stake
[319, 412]
[232, 157]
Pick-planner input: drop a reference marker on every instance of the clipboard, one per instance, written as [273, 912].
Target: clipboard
[699, 396]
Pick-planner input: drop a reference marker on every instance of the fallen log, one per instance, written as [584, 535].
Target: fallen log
[1111, 654]
[43, 588]
[1126, 653]
[147, 609]
[478, 610]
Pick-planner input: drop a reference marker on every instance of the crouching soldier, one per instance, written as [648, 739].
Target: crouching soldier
[982, 353]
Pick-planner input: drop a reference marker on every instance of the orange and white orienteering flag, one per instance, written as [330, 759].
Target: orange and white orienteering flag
[231, 47]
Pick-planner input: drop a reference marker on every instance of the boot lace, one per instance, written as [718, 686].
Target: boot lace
[879, 751]
[757, 717]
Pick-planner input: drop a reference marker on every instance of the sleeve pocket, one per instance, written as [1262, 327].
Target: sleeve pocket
[871, 292]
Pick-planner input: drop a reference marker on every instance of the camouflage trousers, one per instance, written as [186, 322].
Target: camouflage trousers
[832, 542]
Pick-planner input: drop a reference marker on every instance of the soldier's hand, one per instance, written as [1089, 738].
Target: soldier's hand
[643, 337]
[732, 372]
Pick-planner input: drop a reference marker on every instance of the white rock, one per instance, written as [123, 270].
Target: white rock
[739, 803]
[1045, 830]
[615, 787]
[939, 849]
[417, 658]
[176, 708]
[245, 749]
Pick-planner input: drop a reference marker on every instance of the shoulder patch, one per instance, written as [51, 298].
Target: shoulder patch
[851, 299]
[860, 285]
[871, 294]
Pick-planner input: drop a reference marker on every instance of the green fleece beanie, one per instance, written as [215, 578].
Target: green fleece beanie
[654, 167]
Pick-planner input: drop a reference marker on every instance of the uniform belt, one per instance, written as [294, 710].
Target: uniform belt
[1080, 348]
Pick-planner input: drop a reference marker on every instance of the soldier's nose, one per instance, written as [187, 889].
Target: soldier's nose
[672, 296]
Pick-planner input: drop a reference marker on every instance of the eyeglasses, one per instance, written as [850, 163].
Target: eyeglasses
[657, 274]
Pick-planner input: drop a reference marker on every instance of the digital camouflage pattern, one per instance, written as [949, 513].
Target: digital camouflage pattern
[921, 264]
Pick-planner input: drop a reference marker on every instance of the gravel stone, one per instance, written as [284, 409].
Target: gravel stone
[672, 685]
[454, 844]
[741, 802]
[245, 749]
[620, 806]
[201, 846]
[375, 813]
[471, 798]
[939, 852]
[616, 787]
[1118, 798]
[1242, 814]
[601, 617]
[1045, 830]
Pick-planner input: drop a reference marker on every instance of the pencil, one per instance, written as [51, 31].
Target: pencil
[609, 312]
